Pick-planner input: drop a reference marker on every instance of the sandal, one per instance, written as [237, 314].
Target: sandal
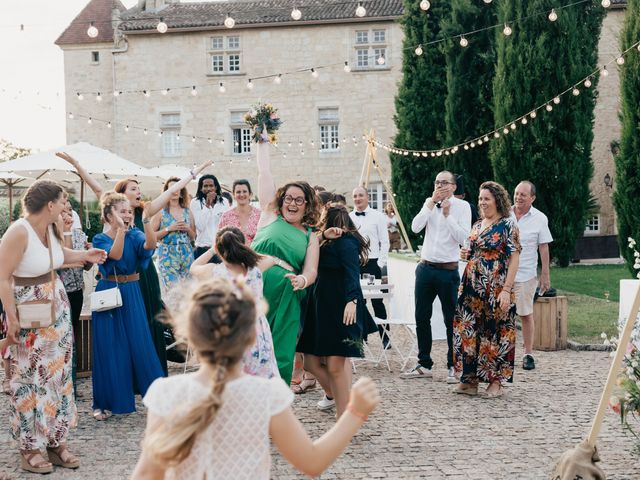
[472, 390]
[304, 386]
[42, 466]
[6, 386]
[62, 457]
[495, 393]
[101, 415]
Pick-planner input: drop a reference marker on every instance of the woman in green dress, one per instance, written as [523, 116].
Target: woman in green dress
[149, 281]
[284, 233]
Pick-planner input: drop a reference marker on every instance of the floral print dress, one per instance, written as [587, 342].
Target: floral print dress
[174, 257]
[484, 335]
[260, 359]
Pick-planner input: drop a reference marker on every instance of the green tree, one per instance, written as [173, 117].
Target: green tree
[628, 159]
[468, 106]
[419, 103]
[539, 60]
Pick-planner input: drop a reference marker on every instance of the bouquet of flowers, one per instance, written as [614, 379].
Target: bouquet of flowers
[625, 399]
[264, 121]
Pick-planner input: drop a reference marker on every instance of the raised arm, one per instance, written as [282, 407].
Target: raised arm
[266, 184]
[84, 175]
[201, 268]
[150, 238]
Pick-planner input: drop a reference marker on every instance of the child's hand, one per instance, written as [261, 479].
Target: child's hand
[365, 396]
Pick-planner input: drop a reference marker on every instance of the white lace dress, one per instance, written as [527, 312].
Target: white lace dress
[236, 444]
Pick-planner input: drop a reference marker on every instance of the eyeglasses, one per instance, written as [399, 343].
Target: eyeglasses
[299, 201]
[442, 183]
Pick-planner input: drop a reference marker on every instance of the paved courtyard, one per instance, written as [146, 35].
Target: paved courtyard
[421, 430]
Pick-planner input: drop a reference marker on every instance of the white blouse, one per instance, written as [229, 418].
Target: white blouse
[35, 261]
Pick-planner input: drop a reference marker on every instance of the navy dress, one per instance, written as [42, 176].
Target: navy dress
[124, 356]
[324, 332]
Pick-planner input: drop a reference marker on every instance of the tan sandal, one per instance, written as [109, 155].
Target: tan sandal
[42, 466]
[495, 393]
[101, 415]
[56, 455]
[304, 386]
[472, 391]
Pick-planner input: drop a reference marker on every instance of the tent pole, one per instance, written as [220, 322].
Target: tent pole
[81, 202]
[10, 185]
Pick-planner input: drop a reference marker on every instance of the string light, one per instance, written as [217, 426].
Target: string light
[116, 93]
[419, 50]
[146, 93]
[98, 97]
[346, 67]
[250, 85]
[229, 22]
[548, 107]
[296, 14]
[360, 11]
[524, 121]
[507, 30]
[381, 60]
[145, 131]
[425, 5]
[587, 83]
[92, 31]
[575, 92]
[109, 125]
[162, 27]
[553, 16]
[194, 91]
[126, 128]
[90, 121]
[620, 60]
[606, 3]
[487, 1]
[278, 80]
[80, 96]
[314, 73]
[222, 88]
[605, 72]
[533, 114]
[463, 41]
[165, 91]
[556, 100]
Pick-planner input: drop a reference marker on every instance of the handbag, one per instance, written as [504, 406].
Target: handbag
[106, 299]
[39, 313]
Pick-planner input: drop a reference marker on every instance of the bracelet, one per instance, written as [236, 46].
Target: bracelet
[68, 234]
[146, 220]
[305, 281]
[351, 409]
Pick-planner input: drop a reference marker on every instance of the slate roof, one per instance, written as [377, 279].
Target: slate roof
[97, 11]
[257, 12]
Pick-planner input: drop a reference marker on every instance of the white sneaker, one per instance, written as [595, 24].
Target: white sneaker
[326, 403]
[417, 372]
[451, 376]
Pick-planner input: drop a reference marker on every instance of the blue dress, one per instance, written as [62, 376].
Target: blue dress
[123, 352]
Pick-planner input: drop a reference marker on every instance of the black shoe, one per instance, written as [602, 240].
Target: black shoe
[528, 363]
[386, 343]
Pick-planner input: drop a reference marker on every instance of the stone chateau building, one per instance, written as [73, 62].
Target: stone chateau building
[147, 94]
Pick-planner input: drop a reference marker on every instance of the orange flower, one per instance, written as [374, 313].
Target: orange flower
[28, 404]
[50, 409]
[56, 365]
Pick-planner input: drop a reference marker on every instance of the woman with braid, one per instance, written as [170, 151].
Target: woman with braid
[215, 423]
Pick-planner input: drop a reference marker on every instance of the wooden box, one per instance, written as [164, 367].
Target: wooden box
[550, 317]
[84, 346]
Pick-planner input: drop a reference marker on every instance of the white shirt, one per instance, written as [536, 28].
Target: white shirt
[443, 235]
[76, 221]
[534, 231]
[373, 225]
[235, 445]
[207, 219]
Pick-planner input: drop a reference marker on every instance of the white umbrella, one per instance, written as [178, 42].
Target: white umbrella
[11, 180]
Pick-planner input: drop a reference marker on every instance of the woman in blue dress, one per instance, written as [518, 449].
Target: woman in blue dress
[123, 352]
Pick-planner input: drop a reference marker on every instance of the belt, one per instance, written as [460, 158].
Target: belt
[31, 281]
[441, 266]
[134, 277]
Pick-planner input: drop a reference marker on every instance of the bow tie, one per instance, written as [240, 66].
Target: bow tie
[360, 214]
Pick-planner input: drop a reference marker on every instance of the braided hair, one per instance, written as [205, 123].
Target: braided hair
[219, 324]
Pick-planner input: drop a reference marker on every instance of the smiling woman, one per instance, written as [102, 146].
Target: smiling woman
[244, 216]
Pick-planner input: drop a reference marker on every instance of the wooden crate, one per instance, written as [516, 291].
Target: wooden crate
[550, 317]
[84, 346]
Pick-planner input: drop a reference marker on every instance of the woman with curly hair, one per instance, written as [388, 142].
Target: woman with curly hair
[337, 320]
[484, 324]
[284, 233]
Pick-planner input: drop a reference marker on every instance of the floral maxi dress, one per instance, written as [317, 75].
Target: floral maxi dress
[484, 335]
[175, 256]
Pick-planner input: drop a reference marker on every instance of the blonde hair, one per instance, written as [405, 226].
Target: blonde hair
[219, 324]
[108, 201]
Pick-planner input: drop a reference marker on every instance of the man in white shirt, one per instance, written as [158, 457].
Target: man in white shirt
[372, 225]
[207, 208]
[447, 224]
[534, 236]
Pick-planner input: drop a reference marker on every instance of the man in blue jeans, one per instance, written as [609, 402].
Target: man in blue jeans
[446, 221]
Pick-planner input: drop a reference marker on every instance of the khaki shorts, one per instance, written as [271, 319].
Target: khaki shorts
[525, 291]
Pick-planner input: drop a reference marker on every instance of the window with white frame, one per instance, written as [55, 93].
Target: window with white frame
[225, 54]
[329, 122]
[377, 196]
[170, 128]
[371, 46]
[241, 133]
[593, 225]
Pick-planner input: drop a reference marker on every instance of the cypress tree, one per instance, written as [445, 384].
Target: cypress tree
[419, 104]
[627, 195]
[468, 107]
[539, 60]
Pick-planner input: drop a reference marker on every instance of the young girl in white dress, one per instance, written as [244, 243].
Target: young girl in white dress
[215, 423]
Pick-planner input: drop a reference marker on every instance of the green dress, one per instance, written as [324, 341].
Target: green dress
[150, 288]
[286, 242]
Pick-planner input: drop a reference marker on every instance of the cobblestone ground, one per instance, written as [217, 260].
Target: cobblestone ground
[421, 430]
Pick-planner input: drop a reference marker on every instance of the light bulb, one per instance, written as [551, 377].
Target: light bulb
[549, 107]
[126, 128]
[296, 14]
[146, 93]
[505, 130]
[605, 3]
[229, 22]
[575, 92]
[145, 131]
[222, 88]
[194, 91]
[314, 73]
[92, 31]
[480, 142]
[487, 1]
[278, 80]
[587, 83]
[639, 47]
[419, 50]
[361, 11]
[108, 124]
[507, 30]
[165, 91]
[605, 72]
[250, 85]
[620, 60]
[524, 120]
[193, 139]
[80, 96]
[162, 27]
[90, 121]
[466, 147]
[425, 5]
[463, 42]
[486, 139]
[347, 68]
[512, 126]
[553, 16]
[160, 133]
[98, 97]
[381, 60]
[533, 114]
[556, 100]
[496, 134]
[116, 93]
